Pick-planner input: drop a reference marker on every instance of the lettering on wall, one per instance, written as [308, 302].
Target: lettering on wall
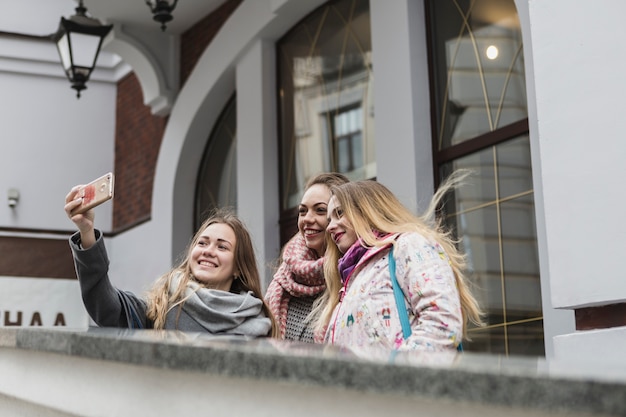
[41, 302]
[19, 319]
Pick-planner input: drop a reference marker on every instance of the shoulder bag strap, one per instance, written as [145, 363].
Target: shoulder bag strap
[399, 296]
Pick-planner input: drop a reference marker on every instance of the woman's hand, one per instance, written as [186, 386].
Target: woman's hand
[85, 221]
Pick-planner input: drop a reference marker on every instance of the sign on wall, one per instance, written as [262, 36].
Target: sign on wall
[40, 302]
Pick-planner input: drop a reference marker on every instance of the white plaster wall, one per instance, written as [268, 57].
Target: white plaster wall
[593, 346]
[49, 140]
[41, 302]
[579, 69]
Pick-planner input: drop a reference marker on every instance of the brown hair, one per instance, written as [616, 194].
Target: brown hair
[159, 300]
[328, 179]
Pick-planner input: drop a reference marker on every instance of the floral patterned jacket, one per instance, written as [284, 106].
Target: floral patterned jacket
[368, 316]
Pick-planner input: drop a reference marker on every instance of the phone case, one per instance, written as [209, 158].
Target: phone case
[96, 193]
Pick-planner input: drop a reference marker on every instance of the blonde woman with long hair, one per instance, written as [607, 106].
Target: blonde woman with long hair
[216, 289]
[358, 308]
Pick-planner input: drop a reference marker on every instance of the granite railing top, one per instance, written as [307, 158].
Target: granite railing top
[526, 382]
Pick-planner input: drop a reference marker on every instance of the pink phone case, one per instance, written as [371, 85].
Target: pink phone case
[96, 193]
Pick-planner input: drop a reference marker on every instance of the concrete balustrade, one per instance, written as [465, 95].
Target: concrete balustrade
[113, 372]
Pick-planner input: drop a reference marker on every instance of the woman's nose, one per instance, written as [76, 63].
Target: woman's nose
[308, 217]
[209, 250]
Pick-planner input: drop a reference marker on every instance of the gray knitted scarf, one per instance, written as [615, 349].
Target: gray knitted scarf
[223, 312]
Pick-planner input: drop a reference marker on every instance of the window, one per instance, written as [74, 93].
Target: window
[348, 140]
[217, 178]
[325, 106]
[477, 73]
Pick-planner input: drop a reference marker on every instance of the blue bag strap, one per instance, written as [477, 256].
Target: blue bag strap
[399, 296]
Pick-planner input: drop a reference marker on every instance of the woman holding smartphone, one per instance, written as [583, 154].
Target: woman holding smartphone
[216, 289]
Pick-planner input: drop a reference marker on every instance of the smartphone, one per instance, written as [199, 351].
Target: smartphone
[95, 193]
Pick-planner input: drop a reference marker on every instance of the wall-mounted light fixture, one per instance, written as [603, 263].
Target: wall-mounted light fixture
[162, 10]
[13, 197]
[78, 40]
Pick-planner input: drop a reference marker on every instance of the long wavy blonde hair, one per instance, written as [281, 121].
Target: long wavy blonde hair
[159, 299]
[371, 207]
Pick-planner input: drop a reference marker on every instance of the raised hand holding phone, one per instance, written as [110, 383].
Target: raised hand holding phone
[84, 197]
[95, 193]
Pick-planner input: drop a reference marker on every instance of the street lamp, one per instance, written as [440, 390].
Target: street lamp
[162, 10]
[78, 40]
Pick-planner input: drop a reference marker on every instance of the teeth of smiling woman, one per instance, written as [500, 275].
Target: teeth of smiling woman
[310, 232]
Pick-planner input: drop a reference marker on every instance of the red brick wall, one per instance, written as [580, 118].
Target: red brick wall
[198, 37]
[37, 258]
[138, 136]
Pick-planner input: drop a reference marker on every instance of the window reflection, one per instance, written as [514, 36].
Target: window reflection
[348, 138]
[479, 104]
[479, 68]
[325, 89]
[493, 218]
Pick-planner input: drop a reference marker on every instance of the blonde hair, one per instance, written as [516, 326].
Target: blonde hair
[371, 207]
[160, 301]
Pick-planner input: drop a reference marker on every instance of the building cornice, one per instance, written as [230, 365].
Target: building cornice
[38, 56]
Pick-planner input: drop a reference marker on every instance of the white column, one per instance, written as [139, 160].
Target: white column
[555, 322]
[580, 85]
[257, 151]
[579, 78]
[401, 94]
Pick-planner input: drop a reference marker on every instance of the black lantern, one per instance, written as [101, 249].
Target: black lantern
[162, 10]
[78, 40]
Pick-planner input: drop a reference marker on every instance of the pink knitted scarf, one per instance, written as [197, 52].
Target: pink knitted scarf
[300, 274]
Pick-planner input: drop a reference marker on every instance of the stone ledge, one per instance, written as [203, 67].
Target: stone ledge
[528, 384]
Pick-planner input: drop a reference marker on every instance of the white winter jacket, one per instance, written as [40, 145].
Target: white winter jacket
[368, 315]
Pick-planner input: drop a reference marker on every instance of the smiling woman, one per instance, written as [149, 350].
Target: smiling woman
[424, 304]
[216, 288]
[212, 257]
[299, 280]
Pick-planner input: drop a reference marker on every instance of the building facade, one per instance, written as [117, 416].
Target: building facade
[258, 96]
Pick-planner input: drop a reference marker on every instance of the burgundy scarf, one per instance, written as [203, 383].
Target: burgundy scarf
[349, 260]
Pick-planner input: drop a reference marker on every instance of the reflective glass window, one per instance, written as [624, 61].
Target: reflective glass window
[326, 112]
[478, 68]
[479, 104]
